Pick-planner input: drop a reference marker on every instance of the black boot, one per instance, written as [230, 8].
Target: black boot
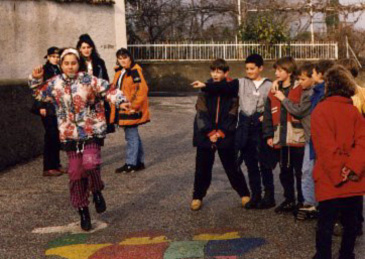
[85, 218]
[268, 201]
[254, 202]
[286, 206]
[99, 201]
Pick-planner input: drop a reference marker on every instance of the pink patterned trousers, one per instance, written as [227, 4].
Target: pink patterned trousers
[84, 174]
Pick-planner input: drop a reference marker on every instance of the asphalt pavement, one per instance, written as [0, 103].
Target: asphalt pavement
[148, 214]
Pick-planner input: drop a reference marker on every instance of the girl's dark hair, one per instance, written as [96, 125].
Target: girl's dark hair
[288, 64]
[219, 64]
[123, 52]
[339, 81]
[85, 38]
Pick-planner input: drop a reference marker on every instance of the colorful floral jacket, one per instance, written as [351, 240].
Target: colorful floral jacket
[77, 103]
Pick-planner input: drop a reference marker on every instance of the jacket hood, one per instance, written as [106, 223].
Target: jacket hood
[339, 99]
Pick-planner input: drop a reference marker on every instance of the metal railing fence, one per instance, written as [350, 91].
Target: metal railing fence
[232, 51]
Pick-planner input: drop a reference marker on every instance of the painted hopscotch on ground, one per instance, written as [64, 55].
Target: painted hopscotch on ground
[213, 244]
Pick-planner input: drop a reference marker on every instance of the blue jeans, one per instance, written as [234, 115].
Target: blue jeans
[134, 152]
[307, 178]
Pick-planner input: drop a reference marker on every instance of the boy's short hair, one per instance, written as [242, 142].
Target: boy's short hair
[323, 66]
[288, 64]
[350, 65]
[255, 59]
[307, 68]
[219, 64]
[339, 81]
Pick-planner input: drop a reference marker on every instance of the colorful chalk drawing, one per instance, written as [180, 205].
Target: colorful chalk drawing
[73, 228]
[212, 244]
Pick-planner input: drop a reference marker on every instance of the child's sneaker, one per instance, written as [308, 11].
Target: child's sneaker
[52, 172]
[253, 203]
[306, 212]
[196, 204]
[245, 200]
[286, 206]
[267, 202]
[125, 169]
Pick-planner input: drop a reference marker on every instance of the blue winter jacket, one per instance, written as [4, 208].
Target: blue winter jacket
[318, 94]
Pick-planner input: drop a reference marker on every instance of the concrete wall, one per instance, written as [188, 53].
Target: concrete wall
[28, 28]
[21, 132]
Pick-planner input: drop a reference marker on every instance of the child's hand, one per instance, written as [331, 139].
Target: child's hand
[38, 72]
[198, 84]
[213, 138]
[43, 112]
[275, 86]
[270, 142]
[125, 106]
[279, 95]
[261, 118]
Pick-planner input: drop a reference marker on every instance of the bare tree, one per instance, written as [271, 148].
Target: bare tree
[177, 20]
[162, 20]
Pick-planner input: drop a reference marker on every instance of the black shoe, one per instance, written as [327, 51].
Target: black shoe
[125, 169]
[140, 167]
[267, 202]
[306, 212]
[85, 218]
[99, 201]
[286, 206]
[253, 203]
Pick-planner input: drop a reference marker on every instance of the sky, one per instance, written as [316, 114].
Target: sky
[361, 23]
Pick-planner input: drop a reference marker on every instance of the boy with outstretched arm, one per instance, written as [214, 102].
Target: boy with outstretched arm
[252, 91]
[214, 130]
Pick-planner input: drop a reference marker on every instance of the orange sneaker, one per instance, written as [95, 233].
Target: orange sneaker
[245, 200]
[196, 205]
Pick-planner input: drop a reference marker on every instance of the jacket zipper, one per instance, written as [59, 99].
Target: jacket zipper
[78, 149]
[217, 113]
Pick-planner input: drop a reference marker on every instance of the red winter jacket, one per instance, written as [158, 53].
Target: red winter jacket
[338, 134]
[272, 128]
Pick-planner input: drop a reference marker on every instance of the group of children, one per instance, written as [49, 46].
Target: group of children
[93, 64]
[305, 121]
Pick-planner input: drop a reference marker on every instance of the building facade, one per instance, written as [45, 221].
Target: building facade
[29, 27]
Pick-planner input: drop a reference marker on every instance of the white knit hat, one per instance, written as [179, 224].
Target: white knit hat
[70, 51]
